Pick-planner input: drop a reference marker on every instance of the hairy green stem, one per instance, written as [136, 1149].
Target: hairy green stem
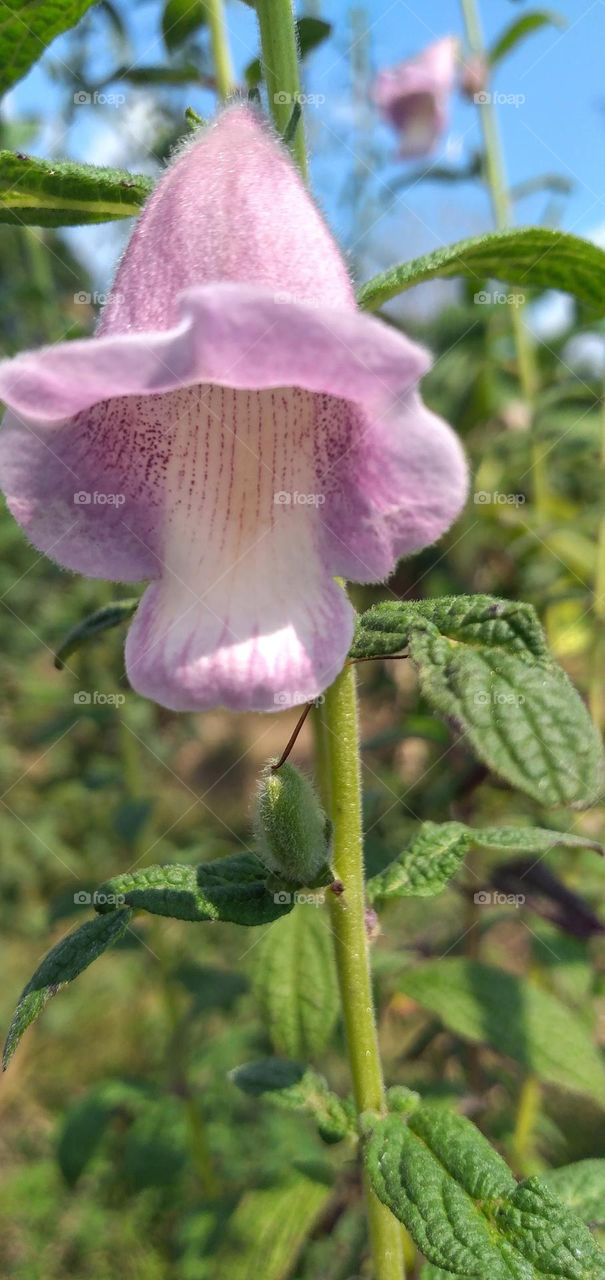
[221, 56]
[502, 214]
[280, 70]
[347, 913]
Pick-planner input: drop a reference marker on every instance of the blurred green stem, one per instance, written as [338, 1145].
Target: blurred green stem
[347, 913]
[134, 787]
[280, 70]
[221, 56]
[597, 681]
[502, 213]
[528, 1110]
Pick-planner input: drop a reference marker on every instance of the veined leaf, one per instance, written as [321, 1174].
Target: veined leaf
[295, 983]
[231, 889]
[529, 840]
[65, 962]
[581, 1187]
[488, 1006]
[297, 1088]
[422, 870]
[65, 194]
[484, 665]
[521, 27]
[528, 257]
[27, 27]
[439, 1176]
[268, 1229]
[110, 615]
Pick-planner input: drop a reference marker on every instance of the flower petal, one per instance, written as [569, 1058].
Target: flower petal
[231, 206]
[245, 613]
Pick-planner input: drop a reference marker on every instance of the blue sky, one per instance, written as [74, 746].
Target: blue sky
[558, 123]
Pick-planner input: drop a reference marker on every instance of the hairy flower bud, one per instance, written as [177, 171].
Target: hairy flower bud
[291, 827]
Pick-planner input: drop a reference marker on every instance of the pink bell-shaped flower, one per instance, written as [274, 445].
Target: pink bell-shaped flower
[414, 96]
[236, 432]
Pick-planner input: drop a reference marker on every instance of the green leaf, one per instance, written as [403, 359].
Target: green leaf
[481, 620]
[489, 1006]
[310, 33]
[41, 193]
[268, 1229]
[231, 889]
[427, 864]
[521, 27]
[110, 615]
[180, 20]
[87, 1120]
[439, 1176]
[297, 1088]
[65, 962]
[27, 27]
[295, 983]
[529, 257]
[581, 1187]
[529, 840]
[484, 665]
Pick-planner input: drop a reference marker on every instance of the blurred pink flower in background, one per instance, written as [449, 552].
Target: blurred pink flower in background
[414, 96]
[237, 433]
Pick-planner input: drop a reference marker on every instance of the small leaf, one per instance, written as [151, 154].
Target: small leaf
[297, 1088]
[530, 257]
[110, 615]
[265, 1234]
[310, 33]
[438, 1174]
[231, 889]
[581, 1187]
[529, 840]
[484, 665]
[65, 962]
[521, 27]
[489, 1006]
[42, 193]
[427, 864]
[27, 27]
[295, 983]
[180, 20]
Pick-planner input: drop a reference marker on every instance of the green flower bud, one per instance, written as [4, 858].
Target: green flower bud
[292, 830]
